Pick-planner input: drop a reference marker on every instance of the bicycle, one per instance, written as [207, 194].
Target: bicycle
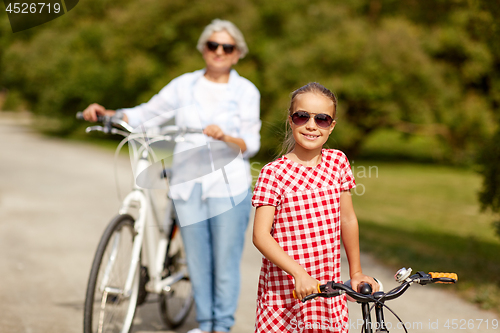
[365, 296]
[136, 254]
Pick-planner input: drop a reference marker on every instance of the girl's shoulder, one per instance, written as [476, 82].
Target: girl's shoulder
[276, 166]
[334, 156]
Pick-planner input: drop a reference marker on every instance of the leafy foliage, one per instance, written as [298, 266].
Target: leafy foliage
[490, 163]
[393, 64]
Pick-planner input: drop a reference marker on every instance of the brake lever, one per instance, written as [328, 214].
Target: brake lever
[121, 123]
[327, 290]
[119, 132]
[421, 278]
[94, 128]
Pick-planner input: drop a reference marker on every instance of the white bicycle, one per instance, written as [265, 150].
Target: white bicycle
[137, 254]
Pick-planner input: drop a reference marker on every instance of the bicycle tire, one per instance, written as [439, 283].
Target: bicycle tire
[104, 313]
[176, 304]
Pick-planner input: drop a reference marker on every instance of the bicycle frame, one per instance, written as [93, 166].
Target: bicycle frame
[150, 239]
[139, 251]
[367, 318]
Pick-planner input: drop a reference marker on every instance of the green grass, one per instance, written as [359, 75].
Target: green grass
[387, 144]
[427, 217]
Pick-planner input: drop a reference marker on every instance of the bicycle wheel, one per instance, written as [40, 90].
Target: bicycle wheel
[176, 304]
[107, 309]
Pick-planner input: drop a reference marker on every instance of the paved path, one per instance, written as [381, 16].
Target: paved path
[55, 200]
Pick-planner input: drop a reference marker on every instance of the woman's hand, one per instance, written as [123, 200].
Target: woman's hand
[305, 285]
[358, 278]
[93, 110]
[215, 132]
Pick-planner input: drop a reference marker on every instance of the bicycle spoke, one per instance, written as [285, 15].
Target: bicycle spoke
[111, 261]
[111, 311]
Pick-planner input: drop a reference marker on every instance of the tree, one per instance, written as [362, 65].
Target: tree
[389, 68]
[490, 170]
[393, 64]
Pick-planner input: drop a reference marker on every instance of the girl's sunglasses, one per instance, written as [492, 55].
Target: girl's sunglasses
[228, 48]
[323, 120]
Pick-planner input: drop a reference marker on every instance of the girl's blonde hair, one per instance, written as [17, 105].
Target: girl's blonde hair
[312, 87]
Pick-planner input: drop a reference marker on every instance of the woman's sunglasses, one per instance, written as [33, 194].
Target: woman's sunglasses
[323, 120]
[228, 48]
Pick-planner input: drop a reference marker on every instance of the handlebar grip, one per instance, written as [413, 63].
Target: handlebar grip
[437, 275]
[365, 288]
[309, 297]
[319, 291]
[100, 118]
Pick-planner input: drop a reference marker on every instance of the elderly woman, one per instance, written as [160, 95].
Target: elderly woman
[226, 106]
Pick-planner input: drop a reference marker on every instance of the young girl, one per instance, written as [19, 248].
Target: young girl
[304, 207]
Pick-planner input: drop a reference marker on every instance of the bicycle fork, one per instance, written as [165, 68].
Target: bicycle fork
[130, 200]
[379, 314]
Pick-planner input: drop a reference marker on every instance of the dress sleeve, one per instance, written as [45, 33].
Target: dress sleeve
[266, 192]
[347, 181]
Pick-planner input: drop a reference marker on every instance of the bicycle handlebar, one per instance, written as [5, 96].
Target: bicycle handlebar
[110, 121]
[332, 289]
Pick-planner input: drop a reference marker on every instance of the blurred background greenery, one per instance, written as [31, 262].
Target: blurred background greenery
[417, 81]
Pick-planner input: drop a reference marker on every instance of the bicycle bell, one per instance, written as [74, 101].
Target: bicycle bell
[402, 274]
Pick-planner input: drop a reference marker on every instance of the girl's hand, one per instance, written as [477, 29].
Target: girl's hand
[305, 285]
[358, 278]
[214, 131]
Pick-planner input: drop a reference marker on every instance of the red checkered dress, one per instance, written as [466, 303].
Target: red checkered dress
[307, 227]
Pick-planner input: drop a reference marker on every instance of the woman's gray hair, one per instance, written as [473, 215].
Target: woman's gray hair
[219, 25]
